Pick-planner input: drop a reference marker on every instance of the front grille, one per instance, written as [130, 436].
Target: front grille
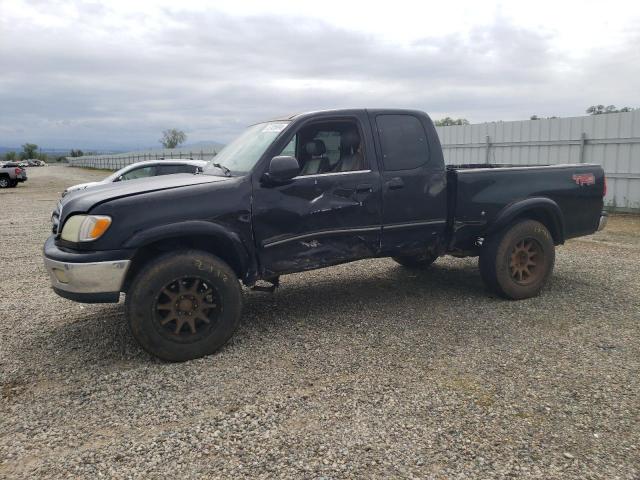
[54, 221]
[55, 218]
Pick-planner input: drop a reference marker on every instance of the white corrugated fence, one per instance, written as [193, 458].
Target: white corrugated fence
[611, 140]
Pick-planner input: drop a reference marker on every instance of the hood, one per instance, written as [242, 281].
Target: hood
[84, 199]
[82, 186]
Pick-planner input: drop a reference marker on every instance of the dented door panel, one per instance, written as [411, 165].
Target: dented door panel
[317, 220]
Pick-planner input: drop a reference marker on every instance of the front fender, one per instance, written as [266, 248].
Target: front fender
[541, 208]
[193, 228]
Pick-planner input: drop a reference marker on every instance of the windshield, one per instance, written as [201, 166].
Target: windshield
[118, 173]
[244, 152]
[114, 175]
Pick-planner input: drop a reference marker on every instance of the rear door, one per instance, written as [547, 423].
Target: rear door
[414, 200]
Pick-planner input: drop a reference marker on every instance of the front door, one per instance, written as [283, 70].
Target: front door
[330, 212]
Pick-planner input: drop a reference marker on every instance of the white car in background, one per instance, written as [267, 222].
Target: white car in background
[150, 168]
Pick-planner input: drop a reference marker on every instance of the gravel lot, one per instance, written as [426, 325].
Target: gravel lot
[362, 370]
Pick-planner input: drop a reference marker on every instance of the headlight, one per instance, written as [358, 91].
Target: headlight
[85, 228]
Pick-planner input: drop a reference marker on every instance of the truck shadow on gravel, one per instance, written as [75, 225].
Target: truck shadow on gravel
[391, 289]
[333, 299]
[100, 334]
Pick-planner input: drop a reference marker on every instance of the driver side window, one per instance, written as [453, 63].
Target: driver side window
[290, 149]
[328, 147]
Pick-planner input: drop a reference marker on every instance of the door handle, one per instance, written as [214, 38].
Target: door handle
[395, 183]
[364, 188]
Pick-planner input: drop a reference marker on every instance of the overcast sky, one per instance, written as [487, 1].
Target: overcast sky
[114, 74]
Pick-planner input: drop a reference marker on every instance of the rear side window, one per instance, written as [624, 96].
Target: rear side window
[403, 141]
[170, 169]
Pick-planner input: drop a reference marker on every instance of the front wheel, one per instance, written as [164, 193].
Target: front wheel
[184, 305]
[4, 182]
[517, 262]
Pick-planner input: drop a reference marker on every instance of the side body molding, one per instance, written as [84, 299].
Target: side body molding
[541, 207]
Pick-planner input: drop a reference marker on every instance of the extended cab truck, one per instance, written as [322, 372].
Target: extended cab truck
[302, 193]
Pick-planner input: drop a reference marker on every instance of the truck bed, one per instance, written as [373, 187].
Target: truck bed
[464, 166]
[480, 195]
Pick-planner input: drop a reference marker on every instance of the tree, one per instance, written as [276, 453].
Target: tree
[29, 151]
[595, 109]
[10, 156]
[448, 121]
[76, 153]
[172, 138]
[600, 109]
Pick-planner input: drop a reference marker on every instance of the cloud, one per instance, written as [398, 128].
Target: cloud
[98, 79]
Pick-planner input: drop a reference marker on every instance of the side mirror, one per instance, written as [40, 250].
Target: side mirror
[282, 169]
[119, 179]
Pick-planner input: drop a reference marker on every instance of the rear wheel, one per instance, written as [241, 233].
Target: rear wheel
[422, 260]
[184, 305]
[13, 183]
[517, 262]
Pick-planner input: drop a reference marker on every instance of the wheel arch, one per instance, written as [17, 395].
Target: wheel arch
[541, 209]
[198, 235]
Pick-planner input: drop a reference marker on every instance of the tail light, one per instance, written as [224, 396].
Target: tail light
[604, 193]
[18, 171]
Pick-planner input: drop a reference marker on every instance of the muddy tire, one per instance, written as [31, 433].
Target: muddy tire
[184, 305]
[423, 260]
[517, 262]
[5, 182]
[13, 184]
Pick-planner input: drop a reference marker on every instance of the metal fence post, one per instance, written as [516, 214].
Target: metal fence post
[583, 140]
[487, 149]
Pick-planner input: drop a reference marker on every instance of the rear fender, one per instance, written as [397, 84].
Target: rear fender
[542, 209]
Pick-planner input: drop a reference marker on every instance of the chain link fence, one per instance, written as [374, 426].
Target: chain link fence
[117, 161]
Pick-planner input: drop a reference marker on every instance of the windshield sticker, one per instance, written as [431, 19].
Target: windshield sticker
[274, 127]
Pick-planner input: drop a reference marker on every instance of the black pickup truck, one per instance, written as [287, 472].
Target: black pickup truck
[301, 193]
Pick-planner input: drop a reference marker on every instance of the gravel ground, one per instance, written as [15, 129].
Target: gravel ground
[362, 370]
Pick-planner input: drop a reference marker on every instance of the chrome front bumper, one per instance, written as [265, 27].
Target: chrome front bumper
[604, 217]
[98, 277]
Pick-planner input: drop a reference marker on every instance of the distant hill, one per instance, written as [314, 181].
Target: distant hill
[55, 151]
[205, 145]
[198, 145]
